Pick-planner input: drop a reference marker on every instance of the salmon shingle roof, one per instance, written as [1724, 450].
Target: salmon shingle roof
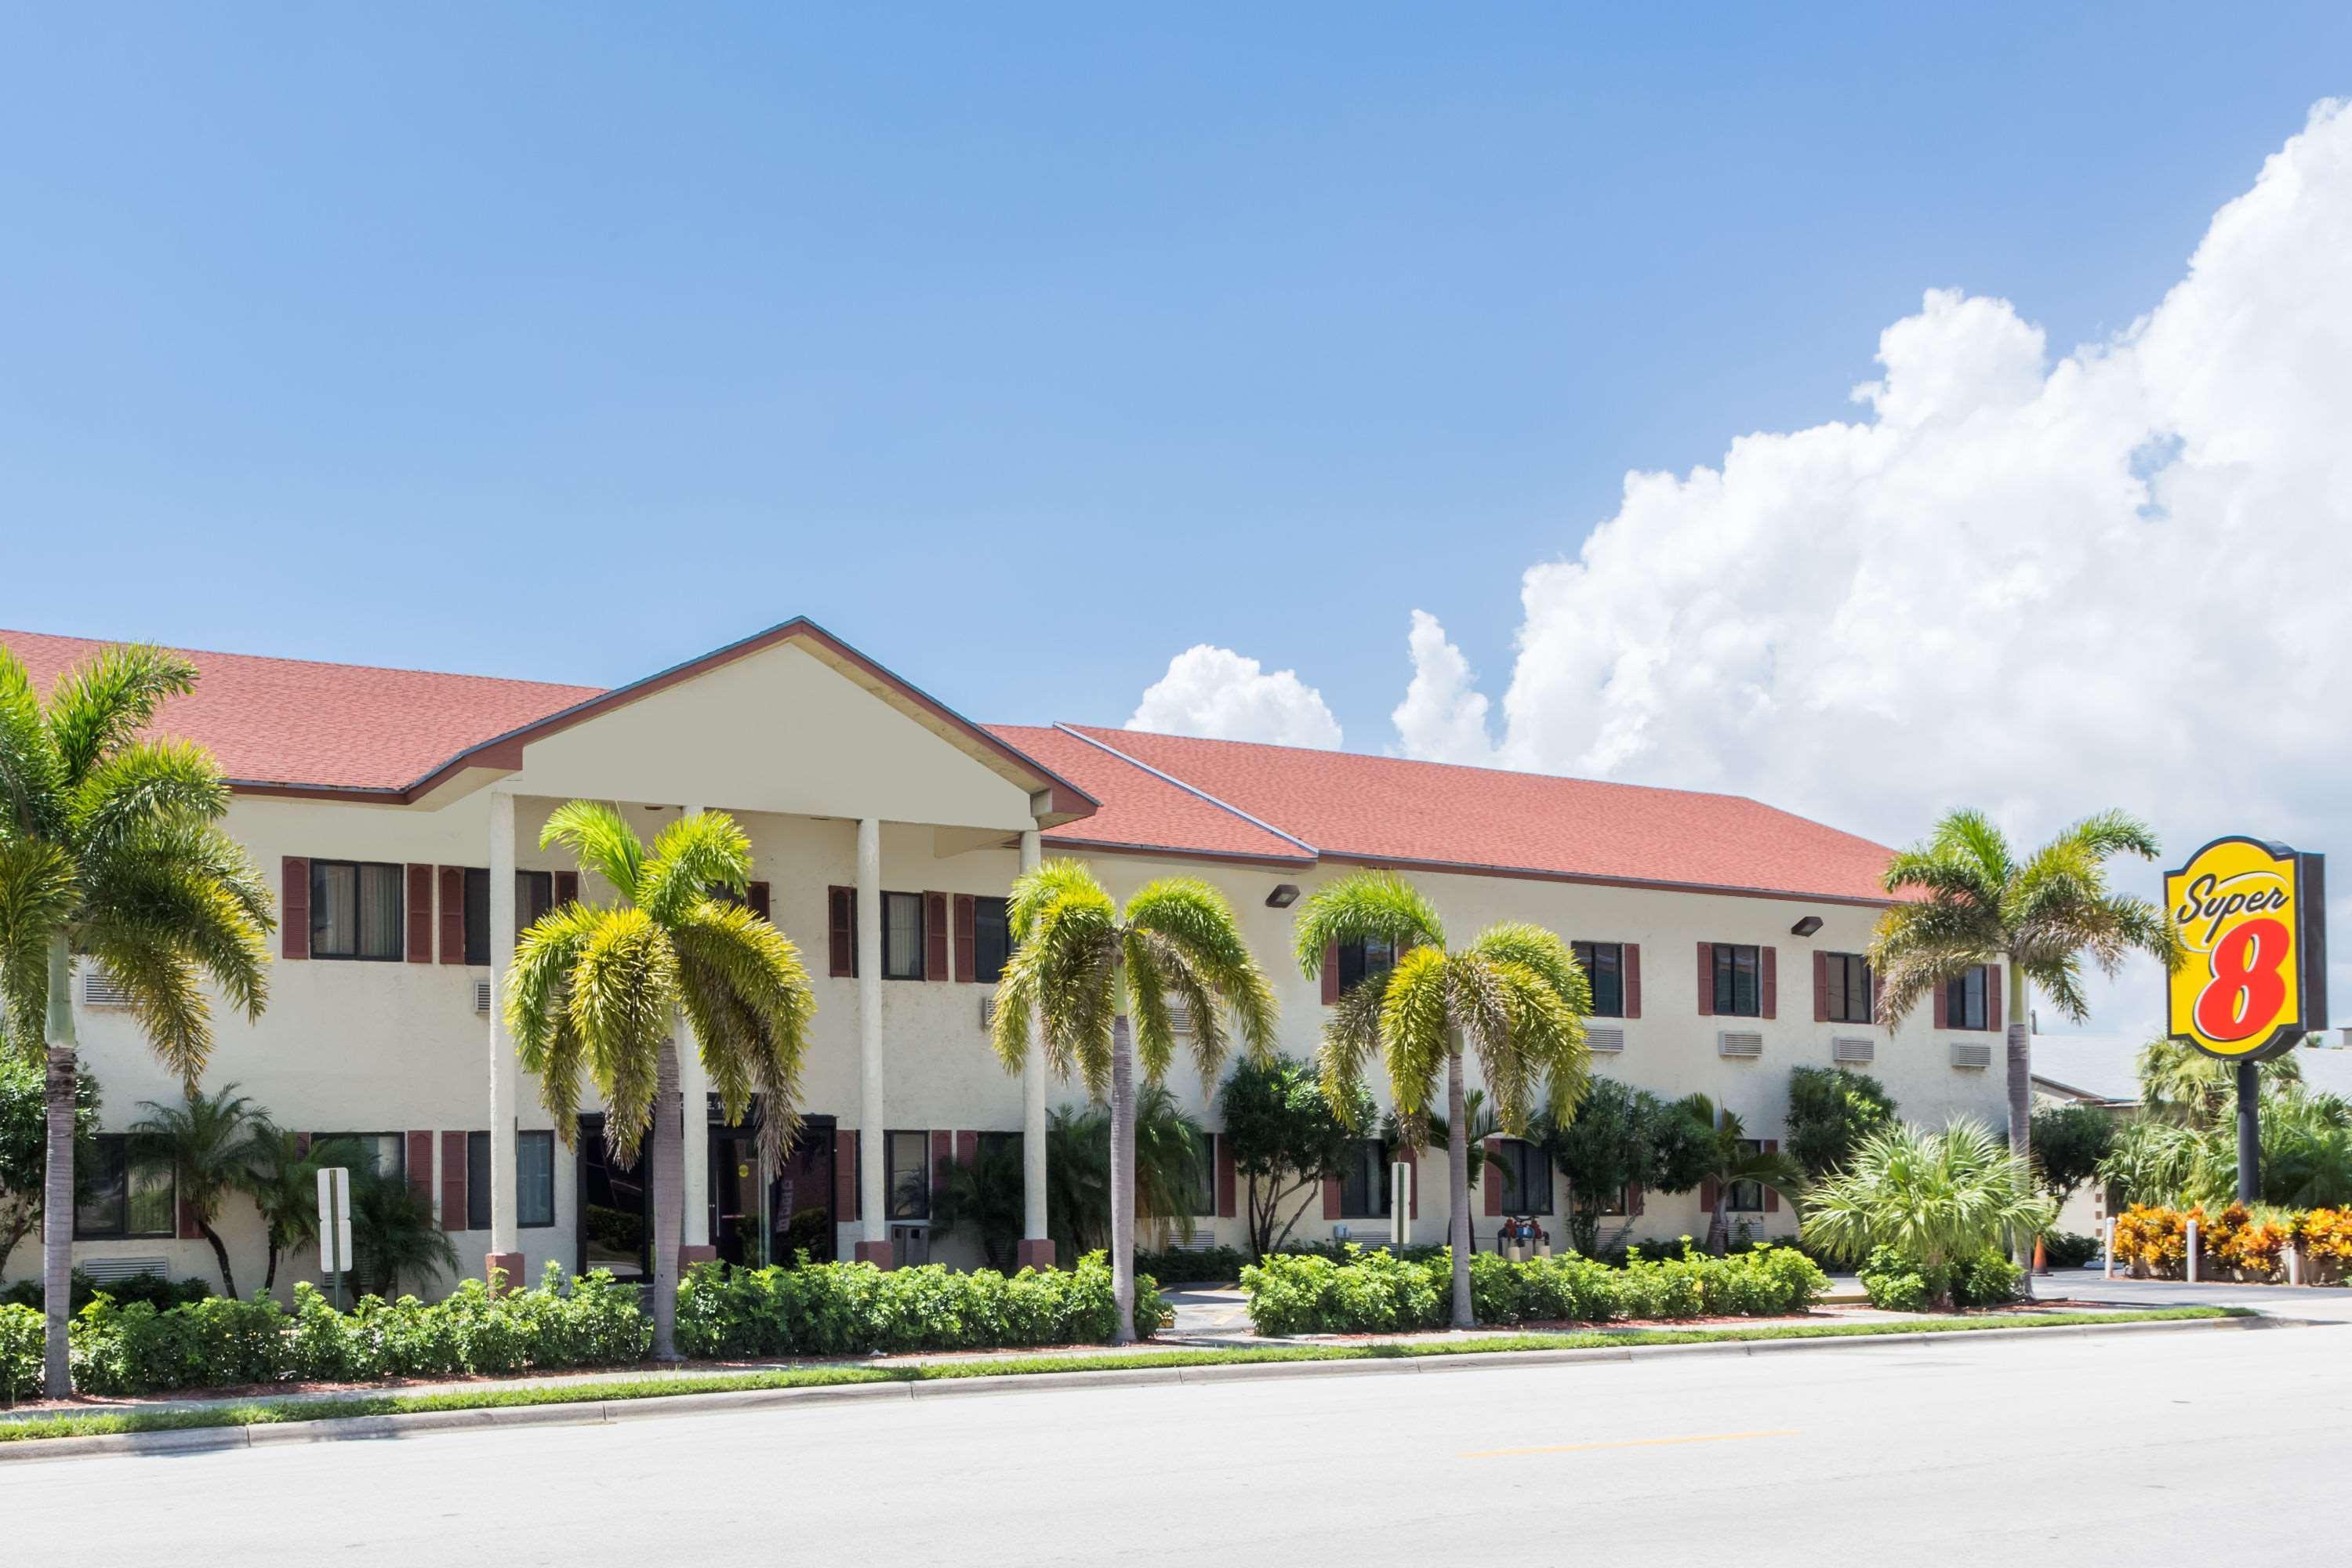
[298, 724]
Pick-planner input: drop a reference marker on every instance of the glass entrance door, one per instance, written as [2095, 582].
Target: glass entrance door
[615, 1209]
[801, 1200]
[739, 1230]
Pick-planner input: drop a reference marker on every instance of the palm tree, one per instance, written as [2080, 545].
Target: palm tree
[595, 990]
[1728, 1157]
[393, 1233]
[214, 1143]
[1170, 1148]
[110, 847]
[283, 1180]
[1936, 1198]
[1970, 901]
[1081, 968]
[2177, 1082]
[1514, 995]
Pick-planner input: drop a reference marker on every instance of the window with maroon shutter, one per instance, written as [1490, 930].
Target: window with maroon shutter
[1227, 1183]
[420, 914]
[1705, 979]
[1330, 1197]
[1632, 980]
[453, 1181]
[294, 907]
[936, 939]
[1768, 981]
[758, 897]
[1992, 996]
[841, 932]
[453, 914]
[1943, 1006]
[1820, 986]
[966, 937]
[567, 888]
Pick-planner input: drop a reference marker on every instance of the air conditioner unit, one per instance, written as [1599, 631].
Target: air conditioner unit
[1605, 1042]
[1972, 1055]
[1854, 1051]
[99, 989]
[1204, 1240]
[987, 1013]
[114, 1271]
[481, 995]
[1180, 1017]
[1741, 1043]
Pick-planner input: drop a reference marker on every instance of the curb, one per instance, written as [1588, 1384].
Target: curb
[606, 1412]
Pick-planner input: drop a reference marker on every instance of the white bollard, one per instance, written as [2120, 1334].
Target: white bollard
[2294, 1265]
[2110, 1228]
[2193, 1252]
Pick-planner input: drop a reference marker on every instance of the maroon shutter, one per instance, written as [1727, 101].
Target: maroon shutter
[762, 902]
[1632, 979]
[942, 1156]
[420, 1166]
[1633, 1196]
[1771, 1198]
[1330, 1197]
[967, 1147]
[1992, 997]
[1706, 1194]
[841, 928]
[1943, 1006]
[567, 888]
[1491, 1178]
[453, 1181]
[294, 907]
[189, 1230]
[420, 914]
[1767, 982]
[453, 914]
[1820, 986]
[935, 940]
[1225, 1178]
[1331, 974]
[845, 1176]
[1877, 996]
[1706, 980]
[967, 939]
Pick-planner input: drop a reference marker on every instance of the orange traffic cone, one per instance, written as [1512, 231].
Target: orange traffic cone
[2040, 1256]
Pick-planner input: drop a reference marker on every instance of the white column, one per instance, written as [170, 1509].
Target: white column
[693, 1093]
[1032, 1098]
[872, 1196]
[506, 1072]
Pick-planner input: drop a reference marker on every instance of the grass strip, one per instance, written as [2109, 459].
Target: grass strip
[265, 1412]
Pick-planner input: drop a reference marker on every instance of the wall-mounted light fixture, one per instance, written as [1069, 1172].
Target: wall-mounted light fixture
[1285, 894]
[1807, 926]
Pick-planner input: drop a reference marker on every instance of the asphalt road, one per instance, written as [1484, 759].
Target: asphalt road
[2208, 1447]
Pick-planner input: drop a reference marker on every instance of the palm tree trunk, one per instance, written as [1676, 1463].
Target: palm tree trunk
[270, 1275]
[1458, 1173]
[668, 1150]
[220, 1255]
[2020, 1103]
[1719, 1224]
[1123, 1180]
[57, 1194]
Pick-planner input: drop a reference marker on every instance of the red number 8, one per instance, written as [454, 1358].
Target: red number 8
[2247, 990]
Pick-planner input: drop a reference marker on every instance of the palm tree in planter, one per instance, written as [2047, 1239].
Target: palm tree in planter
[1082, 968]
[110, 847]
[216, 1144]
[594, 991]
[1514, 995]
[1727, 1158]
[1970, 902]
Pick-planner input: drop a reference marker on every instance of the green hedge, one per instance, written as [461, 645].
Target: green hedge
[1378, 1293]
[855, 1309]
[1896, 1285]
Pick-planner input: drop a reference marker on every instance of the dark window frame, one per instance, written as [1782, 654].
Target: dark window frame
[319, 911]
[1204, 1193]
[922, 934]
[1608, 1002]
[919, 1207]
[479, 1212]
[1518, 1156]
[122, 1149]
[1735, 1191]
[1957, 1013]
[990, 949]
[1841, 970]
[1736, 962]
[399, 1146]
[540, 895]
[1357, 962]
[1364, 1187]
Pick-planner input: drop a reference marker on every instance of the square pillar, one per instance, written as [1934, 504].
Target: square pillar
[1035, 1244]
[506, 1071]
[694, 1094]
[873, 1184]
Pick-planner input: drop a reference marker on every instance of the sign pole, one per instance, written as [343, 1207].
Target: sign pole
[2250, 1133]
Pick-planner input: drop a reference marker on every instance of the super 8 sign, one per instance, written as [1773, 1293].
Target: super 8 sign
[2252, 917]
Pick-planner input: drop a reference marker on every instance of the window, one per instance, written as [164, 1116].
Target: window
[126, 1191]
[379, 1151]
[1361, 961]
[1737, 994]
[534, 1180]
[1746, 1197]
[908, 1172]
[991, 939]
[902, 937]
[1964, 1001]
[1204, 1178]
[1525, 1173]
[534, 896]
[1604, 966]
[1848, 975]
[1364, 1181]
[355, 910]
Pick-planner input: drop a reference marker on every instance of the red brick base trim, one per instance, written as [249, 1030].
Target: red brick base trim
[509, 1264]
[1035, 1255]
[877, 1253]
[688, 1257]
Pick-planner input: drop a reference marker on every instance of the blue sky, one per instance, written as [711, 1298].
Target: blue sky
[1026, 347]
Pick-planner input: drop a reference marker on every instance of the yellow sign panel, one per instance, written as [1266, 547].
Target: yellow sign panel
[2252, 916]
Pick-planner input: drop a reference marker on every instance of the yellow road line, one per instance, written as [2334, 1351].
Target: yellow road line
[1628, 1443]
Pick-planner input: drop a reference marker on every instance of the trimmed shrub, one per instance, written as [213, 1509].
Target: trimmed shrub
[1895, 1284]
[1374, 1292]
[2064, 1249]
[20, 1352]
[153, 1288]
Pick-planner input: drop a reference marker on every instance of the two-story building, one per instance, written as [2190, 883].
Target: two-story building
[400, 811]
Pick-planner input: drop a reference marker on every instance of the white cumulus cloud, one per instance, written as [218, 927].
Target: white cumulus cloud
[1216, 692]
[2045, 586]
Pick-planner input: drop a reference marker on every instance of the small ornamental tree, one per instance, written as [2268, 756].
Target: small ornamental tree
[1831, 1111]
[24, 1146]
[2069, 1142]
[1286, 1138]
[1622, 1138]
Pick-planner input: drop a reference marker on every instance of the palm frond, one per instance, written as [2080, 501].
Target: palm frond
[147, 784]
[1195, 919]
[37, 895]
[691, 858]
[622, 998]
[1415, 1028]
[600, 839]
[1972, 834]
[1364, 906]
[100, 705]
[1352, 1037]
[748, 998]
[32, 777]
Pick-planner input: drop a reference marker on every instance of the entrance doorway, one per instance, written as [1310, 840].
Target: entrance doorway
[615, 1208]
[753, 1223]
